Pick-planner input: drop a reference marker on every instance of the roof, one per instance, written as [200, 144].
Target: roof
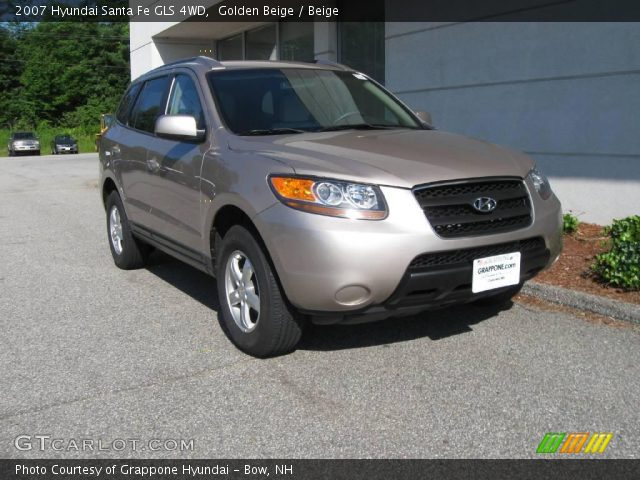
[320, 65]
[204, 64]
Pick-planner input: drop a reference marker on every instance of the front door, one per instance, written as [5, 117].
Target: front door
[176, 170]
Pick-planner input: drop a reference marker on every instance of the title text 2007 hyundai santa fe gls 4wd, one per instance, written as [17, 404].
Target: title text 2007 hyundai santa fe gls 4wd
[313, 194]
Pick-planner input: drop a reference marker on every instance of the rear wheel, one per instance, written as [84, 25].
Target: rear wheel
[128, 253]
[501, 298]
[253, 311]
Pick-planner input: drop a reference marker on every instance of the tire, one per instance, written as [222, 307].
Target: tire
[11, 153]
[501, 298]
[273, 330]
[38, 153]
[128, 253]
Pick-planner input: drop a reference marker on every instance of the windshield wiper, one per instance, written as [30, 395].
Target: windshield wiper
[272, 131]
[359, 126]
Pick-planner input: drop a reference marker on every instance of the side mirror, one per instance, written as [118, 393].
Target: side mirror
[424, 116]
[178, 127]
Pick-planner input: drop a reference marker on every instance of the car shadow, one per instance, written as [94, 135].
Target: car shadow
[435, 324]
[198, 285]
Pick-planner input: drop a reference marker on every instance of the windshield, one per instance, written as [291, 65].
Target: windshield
[64, 138]
[292, 100]
[24, 136]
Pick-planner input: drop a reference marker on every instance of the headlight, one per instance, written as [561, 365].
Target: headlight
[330, 197]
[541, 183]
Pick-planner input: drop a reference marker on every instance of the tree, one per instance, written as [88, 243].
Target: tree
[65, 72]
[10, 69]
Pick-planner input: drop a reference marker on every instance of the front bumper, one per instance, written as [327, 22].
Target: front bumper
[354, 268]
[430, 288]
[26, 148]
[62, 149]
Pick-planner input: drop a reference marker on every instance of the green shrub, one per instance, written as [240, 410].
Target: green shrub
[569, 223]
[620, 266]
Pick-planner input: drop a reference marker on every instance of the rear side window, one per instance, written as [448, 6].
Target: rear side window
[127, 101]
[184, 100]
[149, 105]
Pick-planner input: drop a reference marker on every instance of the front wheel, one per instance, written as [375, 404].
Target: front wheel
[253, 311]
[127, 252]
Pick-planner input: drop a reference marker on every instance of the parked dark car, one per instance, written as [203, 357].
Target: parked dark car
[23, 142]
[64, 144]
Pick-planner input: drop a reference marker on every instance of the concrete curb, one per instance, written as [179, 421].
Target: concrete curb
[584, 301]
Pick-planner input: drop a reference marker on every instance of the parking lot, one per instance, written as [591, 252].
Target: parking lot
[93, 352]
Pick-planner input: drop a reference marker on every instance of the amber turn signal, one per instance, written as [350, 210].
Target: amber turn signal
[294, 188]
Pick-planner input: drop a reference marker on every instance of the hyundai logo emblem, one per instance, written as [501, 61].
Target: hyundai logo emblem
[485, 204]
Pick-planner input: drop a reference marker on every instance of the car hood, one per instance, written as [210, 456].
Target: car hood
[402, 158]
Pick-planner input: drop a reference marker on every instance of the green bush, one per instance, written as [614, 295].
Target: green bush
[569, 223]
[620, 266]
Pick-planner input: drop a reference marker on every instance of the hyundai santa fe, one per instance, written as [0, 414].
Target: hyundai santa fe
[311, 193]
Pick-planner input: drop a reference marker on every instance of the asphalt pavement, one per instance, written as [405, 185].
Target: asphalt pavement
[90, 352]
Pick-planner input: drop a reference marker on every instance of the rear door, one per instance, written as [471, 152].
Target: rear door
[134, 142]
[119, 149]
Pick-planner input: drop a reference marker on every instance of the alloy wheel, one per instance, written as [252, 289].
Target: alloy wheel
[243, 295]
[115, 229]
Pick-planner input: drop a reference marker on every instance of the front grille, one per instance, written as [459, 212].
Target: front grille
[449, 207]
[468, 255]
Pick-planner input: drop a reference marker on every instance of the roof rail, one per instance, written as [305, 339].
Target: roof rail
[201, 59]
[322, 61]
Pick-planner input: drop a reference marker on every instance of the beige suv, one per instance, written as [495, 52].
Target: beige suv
[313, 194]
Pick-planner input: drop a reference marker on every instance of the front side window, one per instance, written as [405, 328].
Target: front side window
[184, 100]
[149, 105]
[260, 101]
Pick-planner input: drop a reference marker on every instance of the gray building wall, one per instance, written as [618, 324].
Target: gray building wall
[566, 93]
